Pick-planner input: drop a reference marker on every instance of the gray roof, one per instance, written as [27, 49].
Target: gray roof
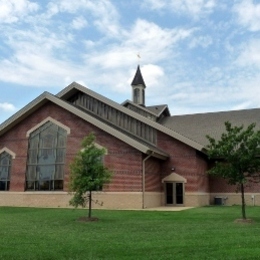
[138, 78]
[143, 108]
[70, 90]
[196, 126]
[61, 100]
[47, 97]
[159, 109]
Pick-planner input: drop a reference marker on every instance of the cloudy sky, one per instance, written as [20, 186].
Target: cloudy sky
[196, 55]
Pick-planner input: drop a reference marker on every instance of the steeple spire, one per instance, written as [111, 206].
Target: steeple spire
[138, 88]
[138, 78]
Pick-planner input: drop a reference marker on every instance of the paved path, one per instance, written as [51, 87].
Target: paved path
[168, 209]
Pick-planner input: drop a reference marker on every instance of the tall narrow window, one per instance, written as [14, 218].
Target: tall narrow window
[5, 166]
[136, 95]
[46, 156]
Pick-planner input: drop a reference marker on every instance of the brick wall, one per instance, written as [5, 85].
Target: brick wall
[187, 163]
[219, 185]
[153, 176]
[203, 177]
[122, 159]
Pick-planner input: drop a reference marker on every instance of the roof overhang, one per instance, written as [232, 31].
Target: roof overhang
[174, 177]
[47, 97]
[70, 90]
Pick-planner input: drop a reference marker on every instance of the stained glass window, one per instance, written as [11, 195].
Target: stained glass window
[46, 156]
[5, 166]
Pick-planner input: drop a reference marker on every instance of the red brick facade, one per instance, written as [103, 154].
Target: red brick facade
[186, 162]
[135, 173]
[122, 159]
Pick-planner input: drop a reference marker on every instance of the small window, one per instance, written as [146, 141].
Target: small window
[5, 166]
[137, 96]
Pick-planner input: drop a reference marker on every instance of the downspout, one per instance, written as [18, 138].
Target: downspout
[143, 179]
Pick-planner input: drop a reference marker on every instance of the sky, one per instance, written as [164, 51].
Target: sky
[196, 56]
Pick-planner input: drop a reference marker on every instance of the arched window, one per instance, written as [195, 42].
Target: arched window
[46, 156]
[136, 95]
[143, 100]
[5, 166]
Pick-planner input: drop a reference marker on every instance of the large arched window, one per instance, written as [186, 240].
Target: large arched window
[46, 156]
[5, 166]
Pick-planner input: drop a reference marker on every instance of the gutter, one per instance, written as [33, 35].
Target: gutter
[143, 179]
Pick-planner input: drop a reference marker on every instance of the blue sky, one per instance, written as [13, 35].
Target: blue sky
[196, 55]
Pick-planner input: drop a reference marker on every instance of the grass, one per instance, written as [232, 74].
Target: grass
[200, 233]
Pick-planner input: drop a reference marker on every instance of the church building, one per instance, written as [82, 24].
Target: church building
[157, 159]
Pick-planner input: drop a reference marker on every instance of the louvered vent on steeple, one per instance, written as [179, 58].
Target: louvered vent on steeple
[138, 88]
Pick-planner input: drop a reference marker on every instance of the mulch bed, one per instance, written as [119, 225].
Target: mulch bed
[87, 219]
[244, 221]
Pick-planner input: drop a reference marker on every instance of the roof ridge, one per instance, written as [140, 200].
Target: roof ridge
[138, 106]
[131, 113]
[37, 102]
[218, 112]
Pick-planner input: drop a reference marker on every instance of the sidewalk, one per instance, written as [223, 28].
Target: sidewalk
[168, 209]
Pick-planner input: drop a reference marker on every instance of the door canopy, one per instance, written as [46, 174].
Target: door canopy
[174, 177]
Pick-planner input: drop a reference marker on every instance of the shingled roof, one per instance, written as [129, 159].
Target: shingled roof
[197, 126]
[72, 88]
[159, 109]
[48, 97]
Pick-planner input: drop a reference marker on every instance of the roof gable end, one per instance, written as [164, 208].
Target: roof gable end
[74, 87]
[47, 97]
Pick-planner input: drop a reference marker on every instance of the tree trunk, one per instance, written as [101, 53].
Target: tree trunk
[243, 201]
[89, 204]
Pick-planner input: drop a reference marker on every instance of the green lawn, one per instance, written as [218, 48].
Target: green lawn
[201, 233]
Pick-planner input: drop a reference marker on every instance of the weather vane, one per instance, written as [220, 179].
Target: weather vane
[138, 58]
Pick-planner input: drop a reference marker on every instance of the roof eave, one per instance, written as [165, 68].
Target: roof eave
[24, 112]
[46, 97]
[138, 106]
[69, 89]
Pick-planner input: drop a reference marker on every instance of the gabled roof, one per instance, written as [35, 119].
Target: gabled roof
[143, 108]
[70, 90]
[138, 78]
[153, 110]
[159, 110]
[197, 126]
[47, 97]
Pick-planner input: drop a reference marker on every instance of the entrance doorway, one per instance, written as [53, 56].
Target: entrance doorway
[174, 193]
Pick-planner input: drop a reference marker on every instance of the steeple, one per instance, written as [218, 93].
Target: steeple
[138, 88]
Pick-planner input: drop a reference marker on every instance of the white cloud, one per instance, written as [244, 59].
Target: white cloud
[248, 14]
[46, 52]
[152, 74]
[12, 10]
[34, 61]
[104, 14]
[7, 107]
[249, 54]
[79, 23]
[151, 41]
[185, 7]
[155, 4]
[203, 41]
[248, 91]
[104, 55]
[36, 70]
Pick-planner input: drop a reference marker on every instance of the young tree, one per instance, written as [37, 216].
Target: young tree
[237, 156]
[87, 173]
